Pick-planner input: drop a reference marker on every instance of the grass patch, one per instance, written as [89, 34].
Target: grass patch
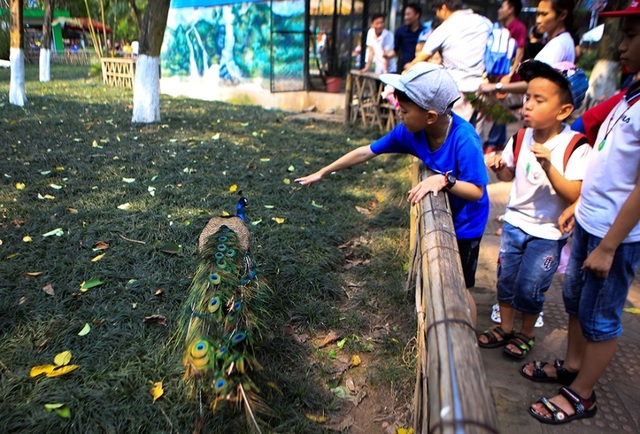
[66, 161]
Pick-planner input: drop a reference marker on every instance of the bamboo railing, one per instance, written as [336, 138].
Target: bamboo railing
[451, 394]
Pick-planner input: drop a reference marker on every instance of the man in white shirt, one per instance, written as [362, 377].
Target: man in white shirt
[380, 47]
[461, 39]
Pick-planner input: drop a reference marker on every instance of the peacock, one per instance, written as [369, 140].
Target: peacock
[222, 319]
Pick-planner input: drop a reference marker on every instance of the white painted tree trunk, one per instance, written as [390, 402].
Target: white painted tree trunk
[17, 95]
[45, 64]
[603, 82]
[146, 90]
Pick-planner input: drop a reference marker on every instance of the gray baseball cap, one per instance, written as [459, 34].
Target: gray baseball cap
[428, 85]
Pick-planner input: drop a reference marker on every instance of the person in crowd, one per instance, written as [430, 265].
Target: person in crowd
[547, 162]
[461, 40]
[605, 252]
[406, 37]
[508, 17]
[554, 18]
[446, 143]
[380, 47]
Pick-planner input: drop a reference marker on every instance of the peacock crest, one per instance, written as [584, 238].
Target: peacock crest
[223, 316]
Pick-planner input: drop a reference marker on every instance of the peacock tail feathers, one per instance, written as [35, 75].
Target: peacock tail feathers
[223, 318]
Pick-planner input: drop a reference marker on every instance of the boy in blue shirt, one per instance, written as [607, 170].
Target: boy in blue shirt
[446, 143]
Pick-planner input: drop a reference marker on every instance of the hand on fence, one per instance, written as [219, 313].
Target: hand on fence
[432, 184]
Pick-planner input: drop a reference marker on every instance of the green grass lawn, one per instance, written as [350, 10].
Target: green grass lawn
[72, 161]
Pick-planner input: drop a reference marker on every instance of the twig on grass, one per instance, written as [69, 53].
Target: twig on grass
[130, 240]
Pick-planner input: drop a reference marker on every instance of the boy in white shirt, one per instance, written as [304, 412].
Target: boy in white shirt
[547, 162]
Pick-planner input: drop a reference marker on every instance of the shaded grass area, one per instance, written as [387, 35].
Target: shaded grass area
[67, 160]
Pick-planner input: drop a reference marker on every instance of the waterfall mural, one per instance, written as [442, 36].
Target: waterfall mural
[249, 44]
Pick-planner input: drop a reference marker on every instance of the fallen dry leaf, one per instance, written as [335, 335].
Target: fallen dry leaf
[158, 319]
[62, 370]
[48, 289]
[331, 337]
[157, 391]
[100, 245]
[355, 361]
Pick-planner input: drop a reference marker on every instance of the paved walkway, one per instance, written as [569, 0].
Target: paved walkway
[618, 391]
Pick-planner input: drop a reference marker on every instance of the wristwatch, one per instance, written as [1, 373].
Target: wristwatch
[451, 181]
[499, 86]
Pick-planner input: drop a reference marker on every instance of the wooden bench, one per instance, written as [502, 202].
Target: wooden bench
[118, 71]
[364, 104]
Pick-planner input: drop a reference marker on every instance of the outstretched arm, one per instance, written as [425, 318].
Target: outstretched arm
[600, 259]
[357, 156]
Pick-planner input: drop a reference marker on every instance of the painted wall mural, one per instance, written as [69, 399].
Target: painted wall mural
[230, 43]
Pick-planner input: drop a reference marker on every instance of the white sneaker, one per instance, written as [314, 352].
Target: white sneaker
[539, 321]
[495, 313]
[495, 316]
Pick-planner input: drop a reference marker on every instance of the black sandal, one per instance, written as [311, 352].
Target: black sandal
[583, 408]
[492, 340]
[539, 375]
[523, 343]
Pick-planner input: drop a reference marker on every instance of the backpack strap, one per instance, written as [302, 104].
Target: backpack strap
[576, 141]
[517, 144]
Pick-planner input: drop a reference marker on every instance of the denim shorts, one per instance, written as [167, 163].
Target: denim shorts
[597, 302]
[526, 265]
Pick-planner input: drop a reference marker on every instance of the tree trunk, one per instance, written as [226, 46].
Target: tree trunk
[45, 42]
[604, 78]
[146, 88]
[136, 15]
[17, 95]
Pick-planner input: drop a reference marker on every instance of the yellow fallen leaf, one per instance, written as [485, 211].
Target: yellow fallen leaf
[286, 181]
[355, 361]
[41, 369]
[59, 168]
[404, 431]
[62, 370]
[27, 239]
[225, 214]
[20, 185]
[33, 273]
[233, 188]
[97, 258]
[317, 419]
[278, 220]
[156, 390]
[633, 310]
[85, 330]
[124, 206]
[62, 358]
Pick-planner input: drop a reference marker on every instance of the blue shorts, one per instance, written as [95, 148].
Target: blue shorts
[596, 302]
[526, 265]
